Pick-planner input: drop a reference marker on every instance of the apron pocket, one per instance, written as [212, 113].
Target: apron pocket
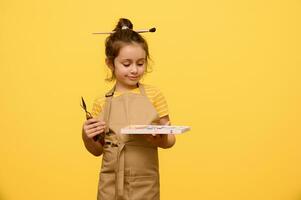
[144, 187]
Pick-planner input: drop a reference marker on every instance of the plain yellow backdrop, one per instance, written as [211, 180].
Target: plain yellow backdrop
[230, 69]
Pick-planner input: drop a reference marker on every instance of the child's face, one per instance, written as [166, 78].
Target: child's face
[130, 65]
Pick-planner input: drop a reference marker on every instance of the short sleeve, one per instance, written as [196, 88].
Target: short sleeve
[97, 106]
[160, 103]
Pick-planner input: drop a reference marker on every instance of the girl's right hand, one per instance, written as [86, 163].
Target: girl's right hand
[93, 127]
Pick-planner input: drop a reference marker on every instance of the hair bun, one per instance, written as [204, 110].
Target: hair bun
[123, 23]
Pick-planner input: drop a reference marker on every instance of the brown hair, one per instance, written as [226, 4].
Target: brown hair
[123, 34]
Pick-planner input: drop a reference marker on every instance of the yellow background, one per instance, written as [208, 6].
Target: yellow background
[229, 68]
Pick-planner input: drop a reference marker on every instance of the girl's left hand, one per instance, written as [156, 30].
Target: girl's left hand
[159, 140]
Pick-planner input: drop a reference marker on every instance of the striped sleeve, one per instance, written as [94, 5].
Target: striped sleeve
[97, 106]
[158, 100]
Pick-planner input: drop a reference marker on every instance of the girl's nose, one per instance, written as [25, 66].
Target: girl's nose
[134, 69]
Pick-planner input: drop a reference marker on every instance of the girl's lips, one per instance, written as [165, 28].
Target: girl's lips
[133, 77]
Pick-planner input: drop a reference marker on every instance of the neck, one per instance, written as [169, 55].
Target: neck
[124, 88]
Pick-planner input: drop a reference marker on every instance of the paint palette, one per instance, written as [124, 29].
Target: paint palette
[154, 129]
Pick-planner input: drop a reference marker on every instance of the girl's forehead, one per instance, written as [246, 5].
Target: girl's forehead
[131, 51]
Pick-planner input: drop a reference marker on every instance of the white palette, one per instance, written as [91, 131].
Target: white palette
[154, 129]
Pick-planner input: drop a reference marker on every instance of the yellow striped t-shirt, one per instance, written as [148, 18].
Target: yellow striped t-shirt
[154, 95]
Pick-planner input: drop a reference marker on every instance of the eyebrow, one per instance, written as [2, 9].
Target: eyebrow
[140, 59]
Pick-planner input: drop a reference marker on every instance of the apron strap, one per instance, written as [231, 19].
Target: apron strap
[111, 92]
[107, 108]
[119, 168]
[119, 173]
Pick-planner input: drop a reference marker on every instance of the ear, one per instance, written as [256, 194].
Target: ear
[110, 64]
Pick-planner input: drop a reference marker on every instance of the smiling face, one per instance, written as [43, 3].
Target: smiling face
[129, 66]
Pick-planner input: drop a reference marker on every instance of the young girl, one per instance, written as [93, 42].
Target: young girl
[130, 162]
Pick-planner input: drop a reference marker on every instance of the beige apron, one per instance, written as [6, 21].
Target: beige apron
[129, 168]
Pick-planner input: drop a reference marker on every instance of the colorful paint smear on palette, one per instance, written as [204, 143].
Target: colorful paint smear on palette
[154, 129]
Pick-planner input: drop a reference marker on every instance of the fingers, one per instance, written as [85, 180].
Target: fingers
[149, 138]
[93, 127]
[91, 135]
[93, 120]
[152, 137]
[93, 132]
